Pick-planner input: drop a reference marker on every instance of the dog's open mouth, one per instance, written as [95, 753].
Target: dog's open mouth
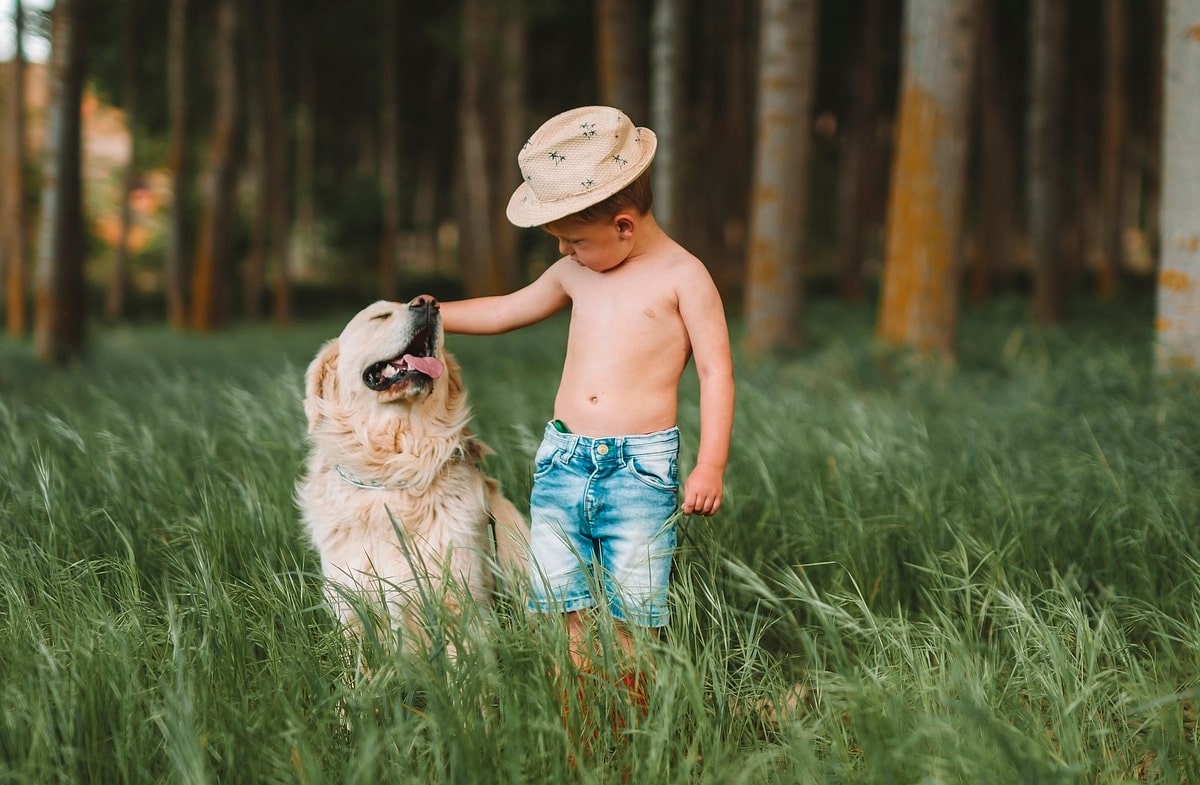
[416, 359]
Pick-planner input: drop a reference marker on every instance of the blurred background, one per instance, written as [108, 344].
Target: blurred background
[204, 161]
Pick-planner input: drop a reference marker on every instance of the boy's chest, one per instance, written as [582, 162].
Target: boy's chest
[627, 299]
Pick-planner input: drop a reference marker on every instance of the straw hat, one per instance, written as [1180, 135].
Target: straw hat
[577, 159]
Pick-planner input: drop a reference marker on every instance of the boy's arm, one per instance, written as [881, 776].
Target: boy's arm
[501, 313]
[703, 315]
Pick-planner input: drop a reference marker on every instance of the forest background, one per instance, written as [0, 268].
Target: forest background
[244, 159]
[978, 569]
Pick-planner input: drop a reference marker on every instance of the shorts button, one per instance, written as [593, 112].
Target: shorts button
[602, 449]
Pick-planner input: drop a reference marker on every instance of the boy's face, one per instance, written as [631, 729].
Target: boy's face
[598, 246]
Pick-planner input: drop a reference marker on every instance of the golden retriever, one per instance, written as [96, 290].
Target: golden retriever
[393, 495]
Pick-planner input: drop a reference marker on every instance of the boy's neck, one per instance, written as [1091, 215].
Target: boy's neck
[647, 238]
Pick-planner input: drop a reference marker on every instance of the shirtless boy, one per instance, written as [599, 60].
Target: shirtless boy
[605, 490]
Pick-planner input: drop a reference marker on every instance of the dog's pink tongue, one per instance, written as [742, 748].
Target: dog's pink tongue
[430, 366]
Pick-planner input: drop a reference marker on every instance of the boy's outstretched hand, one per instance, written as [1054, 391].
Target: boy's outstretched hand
[703, 489]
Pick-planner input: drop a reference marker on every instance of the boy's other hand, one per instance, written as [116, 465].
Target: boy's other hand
[703, 489]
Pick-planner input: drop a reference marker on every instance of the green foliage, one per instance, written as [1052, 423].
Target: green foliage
[984, 574]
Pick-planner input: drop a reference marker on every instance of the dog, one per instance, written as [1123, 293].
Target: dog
[393, 496]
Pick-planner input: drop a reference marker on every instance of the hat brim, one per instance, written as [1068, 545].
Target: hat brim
[525, 210]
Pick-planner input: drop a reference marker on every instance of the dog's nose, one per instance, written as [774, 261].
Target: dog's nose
[423, 302]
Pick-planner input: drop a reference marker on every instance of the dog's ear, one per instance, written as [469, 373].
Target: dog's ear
[320, 382]
[455, 389]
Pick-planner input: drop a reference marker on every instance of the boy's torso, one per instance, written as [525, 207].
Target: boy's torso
[627, 348]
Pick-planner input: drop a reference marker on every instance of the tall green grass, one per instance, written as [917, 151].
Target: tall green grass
[979, 574]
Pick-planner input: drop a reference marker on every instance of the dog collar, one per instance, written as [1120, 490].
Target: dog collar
[370, 485]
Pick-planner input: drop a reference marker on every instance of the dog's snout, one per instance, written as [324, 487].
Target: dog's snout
[423, 302]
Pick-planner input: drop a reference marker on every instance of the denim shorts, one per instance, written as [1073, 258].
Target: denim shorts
[603, 515]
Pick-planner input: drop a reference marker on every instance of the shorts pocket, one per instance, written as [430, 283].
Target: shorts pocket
[659, 470]
[544, 458]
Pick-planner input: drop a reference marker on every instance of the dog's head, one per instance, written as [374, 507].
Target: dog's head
[390, 353]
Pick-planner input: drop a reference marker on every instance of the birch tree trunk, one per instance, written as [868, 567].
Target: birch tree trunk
[175, 268]
[14, 219]
[666, 106]
[1044, 152]
[277, 158]
[210, 276]
[779, 203]
[921, 282]
[1178, 322]
[60, 302]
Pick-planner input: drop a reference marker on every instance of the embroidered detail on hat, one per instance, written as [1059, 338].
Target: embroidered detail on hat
[556, 157]
[587, 183]
[589, 129]
[619, 161]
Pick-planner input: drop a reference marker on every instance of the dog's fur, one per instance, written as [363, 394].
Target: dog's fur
[423, 525]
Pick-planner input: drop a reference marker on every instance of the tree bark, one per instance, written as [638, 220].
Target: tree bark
[15, 219]
[118, 277]
[389, 148]
[996, 224]
[175, 268]
[277, 178]
[919, 306]
[1114, 122]
[858, 183]
[60, 296]
[666, 106]
[210, 276]
[475, 226]
[1044, 154]
[513, 109]
[1178, 322]
[620, 52]
[787, 84]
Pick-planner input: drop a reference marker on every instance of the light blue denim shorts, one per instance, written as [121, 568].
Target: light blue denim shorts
[603, 515]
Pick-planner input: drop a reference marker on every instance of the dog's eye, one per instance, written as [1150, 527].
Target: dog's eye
[379, 316]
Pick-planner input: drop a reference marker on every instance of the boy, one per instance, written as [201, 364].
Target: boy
[605, 484]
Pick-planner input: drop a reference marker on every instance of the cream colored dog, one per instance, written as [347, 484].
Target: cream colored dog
[393, 495]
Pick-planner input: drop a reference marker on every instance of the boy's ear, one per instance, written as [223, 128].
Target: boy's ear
[625, 223]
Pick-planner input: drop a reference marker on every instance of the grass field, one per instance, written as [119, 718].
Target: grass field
[980, 575]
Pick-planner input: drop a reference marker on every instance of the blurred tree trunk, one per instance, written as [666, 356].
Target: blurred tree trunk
[118, 277]
[175, 269]
[714, 130]
[1114, 122]
[666, 106]
[210, 276]
[511, 114]
[304, 258]
[427, 186]
[60, 293]
[475, 227]
[1178, 322]
[389, 148]
[779, 198]
[1044, 155]
[919, 305]
[858, 184]
[14, 219]
[254, 266]
[620, 51]
[277, 157]
[996, 224]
